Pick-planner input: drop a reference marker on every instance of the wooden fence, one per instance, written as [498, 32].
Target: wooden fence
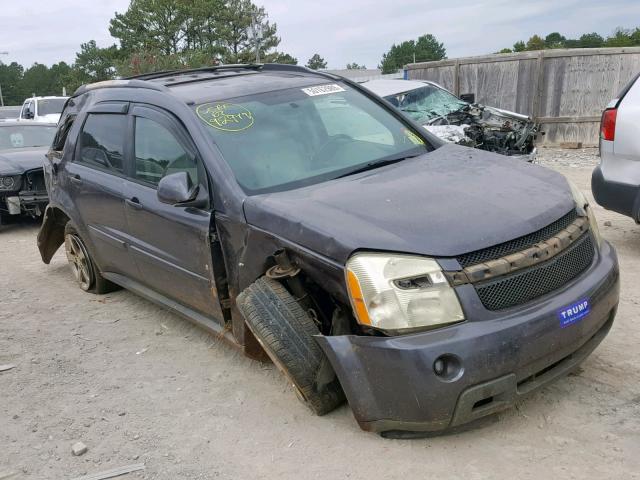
[566, 90]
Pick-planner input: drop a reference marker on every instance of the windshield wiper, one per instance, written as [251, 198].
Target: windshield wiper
[379, 163]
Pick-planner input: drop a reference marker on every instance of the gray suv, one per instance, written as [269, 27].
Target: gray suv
[305, 219]
[616, 181]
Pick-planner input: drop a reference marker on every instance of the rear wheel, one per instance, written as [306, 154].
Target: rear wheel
[286, 332]
[82, 265]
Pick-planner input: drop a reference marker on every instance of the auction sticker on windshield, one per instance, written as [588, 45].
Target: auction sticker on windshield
[323, 89]
[573, 313]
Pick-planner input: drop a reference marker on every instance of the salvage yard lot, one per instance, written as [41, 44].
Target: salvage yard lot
[136, 384]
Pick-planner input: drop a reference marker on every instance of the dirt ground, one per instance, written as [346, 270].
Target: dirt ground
[138, 384]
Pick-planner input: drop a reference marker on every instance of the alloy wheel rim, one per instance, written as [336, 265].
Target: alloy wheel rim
[78, 261]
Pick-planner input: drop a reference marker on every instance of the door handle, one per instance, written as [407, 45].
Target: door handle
[76, 179]
[134, 203]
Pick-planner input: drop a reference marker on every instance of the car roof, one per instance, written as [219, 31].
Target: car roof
[47, 97]
[27, 123]
[207, 84]
[384, 88]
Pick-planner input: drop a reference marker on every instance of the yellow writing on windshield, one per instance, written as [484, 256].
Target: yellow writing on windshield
[228, 117]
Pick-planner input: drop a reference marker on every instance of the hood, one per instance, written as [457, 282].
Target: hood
[18, 160]
[445, 203]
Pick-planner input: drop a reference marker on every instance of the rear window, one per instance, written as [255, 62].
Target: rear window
[50, 106]
[626, 88]
[295, 137]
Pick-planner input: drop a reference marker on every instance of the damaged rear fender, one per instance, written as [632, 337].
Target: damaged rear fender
[51, 234]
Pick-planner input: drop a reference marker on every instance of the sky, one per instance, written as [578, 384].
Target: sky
[48, 31]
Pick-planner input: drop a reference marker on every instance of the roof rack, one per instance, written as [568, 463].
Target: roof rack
[142, 81]
[218, 68]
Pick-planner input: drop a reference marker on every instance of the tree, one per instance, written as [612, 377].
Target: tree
[425, 49]
[554, 40]
[505, 50]
[94, 64]
[519, 46]
[234, 31]
[620, 38]
[191, 33]
[591, 40]
[316, 62]
[355, 66]
[11, 82]
[535, 43]
[279, 57]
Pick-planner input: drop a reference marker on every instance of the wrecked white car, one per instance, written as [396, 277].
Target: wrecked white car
[457, 121]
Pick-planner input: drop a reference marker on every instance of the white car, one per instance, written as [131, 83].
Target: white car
[616, 181]
[42, 109]
[455, 120]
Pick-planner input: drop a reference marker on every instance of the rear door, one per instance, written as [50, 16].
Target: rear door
[170, 244]
[96, 178]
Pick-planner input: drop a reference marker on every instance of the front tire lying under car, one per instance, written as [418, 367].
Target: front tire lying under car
[85, 270]
[286, 331]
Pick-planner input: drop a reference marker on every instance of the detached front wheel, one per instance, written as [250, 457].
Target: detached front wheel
[84, 269]
[286, 331]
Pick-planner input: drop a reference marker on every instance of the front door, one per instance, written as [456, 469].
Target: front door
[170, 244]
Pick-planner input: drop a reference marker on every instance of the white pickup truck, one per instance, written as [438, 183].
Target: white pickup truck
[42, 109]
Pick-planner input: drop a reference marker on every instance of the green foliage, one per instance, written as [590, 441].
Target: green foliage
[519, 46]
[505, 50]
[316, 62]
[554, 40]
[279, 57]
[426, 49]
[355, 66]
[535, 43]
[620, 38]
[190, 33]
[591, 40]
[18, 83]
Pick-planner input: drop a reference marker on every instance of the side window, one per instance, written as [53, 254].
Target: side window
[158, 153]
[358, 124]
[101, 142]
[61, 134]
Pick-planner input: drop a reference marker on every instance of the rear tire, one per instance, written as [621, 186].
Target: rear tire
[286, 332]
[85, 270]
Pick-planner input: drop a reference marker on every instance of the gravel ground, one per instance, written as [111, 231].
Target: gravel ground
[137, 384]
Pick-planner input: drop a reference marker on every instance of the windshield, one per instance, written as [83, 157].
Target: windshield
[291, 138]
[426, 103]
[19, 136]
[48, 106]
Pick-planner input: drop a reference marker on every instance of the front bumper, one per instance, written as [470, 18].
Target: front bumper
[24, 202]
[390, 381]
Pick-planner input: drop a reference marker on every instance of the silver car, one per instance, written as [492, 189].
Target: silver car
[616, 181]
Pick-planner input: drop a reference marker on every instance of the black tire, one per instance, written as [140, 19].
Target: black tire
[286, 331]
[88, 275]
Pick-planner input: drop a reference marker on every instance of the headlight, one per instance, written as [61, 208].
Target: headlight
[584, 209]
[400, 293]
[9, 183]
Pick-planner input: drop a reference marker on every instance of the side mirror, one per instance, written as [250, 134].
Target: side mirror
[468, 97]
[176, 189]
[28, 114]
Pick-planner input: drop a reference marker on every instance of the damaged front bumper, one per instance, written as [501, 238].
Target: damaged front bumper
[24, 203]
[391, 384]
